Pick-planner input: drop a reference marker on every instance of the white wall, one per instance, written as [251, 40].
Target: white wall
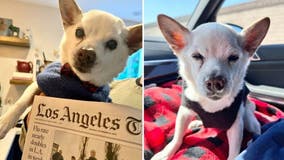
[45, 25]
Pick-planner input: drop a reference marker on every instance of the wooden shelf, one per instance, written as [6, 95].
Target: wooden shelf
[22, 82]
[14, 41]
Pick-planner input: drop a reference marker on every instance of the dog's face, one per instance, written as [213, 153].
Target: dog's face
[213, 58]
[96, 44]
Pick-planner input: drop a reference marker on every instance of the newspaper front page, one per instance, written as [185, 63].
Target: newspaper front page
[62, 129]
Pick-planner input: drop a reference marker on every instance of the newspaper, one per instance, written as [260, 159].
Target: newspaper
[77, 130]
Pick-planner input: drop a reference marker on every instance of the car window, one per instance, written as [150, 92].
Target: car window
[245, 12]
[179, 10]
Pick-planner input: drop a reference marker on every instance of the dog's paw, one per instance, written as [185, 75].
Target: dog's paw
[6, 123]
[4, 128]
[167, 153]
[231, 158]
[161, 156]
[195, 124]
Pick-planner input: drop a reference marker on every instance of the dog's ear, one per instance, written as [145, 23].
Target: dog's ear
[173, 31]
[253, 35]
[134, 37]
[70, 12]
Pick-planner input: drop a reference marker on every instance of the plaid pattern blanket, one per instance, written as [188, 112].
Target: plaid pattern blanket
[160, 107]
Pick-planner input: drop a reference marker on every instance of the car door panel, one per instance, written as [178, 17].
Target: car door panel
[265, 77]
[160, 64]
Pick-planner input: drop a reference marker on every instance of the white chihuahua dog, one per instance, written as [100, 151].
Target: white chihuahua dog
[95, 48]
[213, 60]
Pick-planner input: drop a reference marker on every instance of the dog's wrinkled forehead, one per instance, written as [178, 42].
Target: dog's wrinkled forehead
[93, 21]
[215, 39]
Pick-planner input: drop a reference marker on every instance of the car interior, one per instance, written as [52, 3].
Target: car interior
[264, 74]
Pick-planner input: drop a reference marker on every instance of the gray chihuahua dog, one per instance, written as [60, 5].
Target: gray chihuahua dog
[213, 60]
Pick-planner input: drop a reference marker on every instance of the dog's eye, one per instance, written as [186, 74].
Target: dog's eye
[197, 56]
[233, 58]
[111, 44]
[80, 33]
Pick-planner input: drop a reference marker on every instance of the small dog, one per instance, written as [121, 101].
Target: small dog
[95, 47]
[213, 60]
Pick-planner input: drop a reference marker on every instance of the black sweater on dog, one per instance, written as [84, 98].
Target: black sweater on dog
[223, 119]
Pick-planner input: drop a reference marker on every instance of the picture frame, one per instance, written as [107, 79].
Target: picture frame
[5, 23]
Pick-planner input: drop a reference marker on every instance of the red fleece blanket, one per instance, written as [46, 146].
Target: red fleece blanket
[160, 108]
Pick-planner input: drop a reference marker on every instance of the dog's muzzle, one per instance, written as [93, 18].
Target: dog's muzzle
[215, 86]
[85, 59]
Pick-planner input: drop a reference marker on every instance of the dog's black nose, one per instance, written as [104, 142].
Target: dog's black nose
[85, 60]
[87, 55]
[216, 84]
